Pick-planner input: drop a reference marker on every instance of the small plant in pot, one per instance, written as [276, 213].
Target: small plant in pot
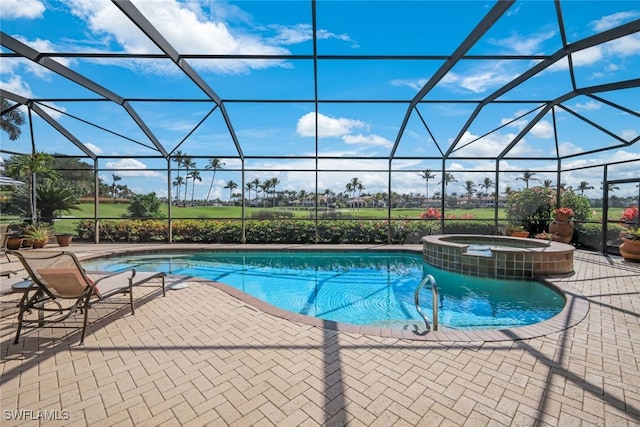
[64, 239]
[39, 233]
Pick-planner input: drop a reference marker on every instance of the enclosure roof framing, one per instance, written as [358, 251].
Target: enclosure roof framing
[320, 81]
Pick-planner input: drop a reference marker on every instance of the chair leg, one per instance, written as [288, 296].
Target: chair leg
[20, 317]
[86, 319]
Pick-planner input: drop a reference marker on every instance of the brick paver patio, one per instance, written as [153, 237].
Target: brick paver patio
[200, 356]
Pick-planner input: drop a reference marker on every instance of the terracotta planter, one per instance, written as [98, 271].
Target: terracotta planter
[630, 250]
[64, 239]
[37, 244]
[562, 227]
[14, 243]
[524, 234]
[27, 243]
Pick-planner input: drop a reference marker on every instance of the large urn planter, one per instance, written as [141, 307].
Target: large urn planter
[630, 250]
[562, 227]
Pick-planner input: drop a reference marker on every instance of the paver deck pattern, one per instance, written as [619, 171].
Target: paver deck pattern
[200, 356]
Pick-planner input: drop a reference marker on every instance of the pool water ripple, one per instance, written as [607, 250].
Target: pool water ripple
[358, 288]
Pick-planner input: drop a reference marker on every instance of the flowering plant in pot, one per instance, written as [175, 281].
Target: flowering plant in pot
[563, 213]
[630, 247]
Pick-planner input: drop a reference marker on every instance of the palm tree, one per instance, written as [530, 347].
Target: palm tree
[115, 178]
[179, 160]
[526, 177]
[354, 185]
[216, 165]
[583, 186]
[470, 188]
[195, 176]
[27, 166]
[54, 198]
[273, 183]
[178, 183]
[249, 186]
[610, 187]
[188, 163]
[427, 175]
[231, 186]
[487, 184]
[448, 179]
[12, 120]
[547, 183]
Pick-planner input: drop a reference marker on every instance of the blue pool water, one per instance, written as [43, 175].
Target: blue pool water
[359, 288]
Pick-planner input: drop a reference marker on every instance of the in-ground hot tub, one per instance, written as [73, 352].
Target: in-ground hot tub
[497, 256]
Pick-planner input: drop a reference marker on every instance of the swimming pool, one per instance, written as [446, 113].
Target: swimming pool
[372, 288]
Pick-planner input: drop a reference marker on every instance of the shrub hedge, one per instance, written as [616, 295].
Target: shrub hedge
[587, 235]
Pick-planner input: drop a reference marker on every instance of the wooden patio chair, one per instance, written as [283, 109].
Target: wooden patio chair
[61, 287]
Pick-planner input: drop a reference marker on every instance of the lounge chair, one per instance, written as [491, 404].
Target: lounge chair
[58, 278]
[4, 236]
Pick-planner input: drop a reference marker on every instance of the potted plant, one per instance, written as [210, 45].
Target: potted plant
[562, 226]
[64, 239]
[14, 241]
[39, 233]
[630, 247]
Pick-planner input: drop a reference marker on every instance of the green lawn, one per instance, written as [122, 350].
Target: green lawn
[110, 210]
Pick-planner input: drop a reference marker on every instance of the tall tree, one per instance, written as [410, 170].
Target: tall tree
[178, 183]
[273, 183]
[231, 186]
[584, 186]
[26, 166]
[188, 164]
[487, 184]
[216, 165]
[448, 179]
[427, 175]
[526, 177]
[470, 189]
[12, 120]
[114, 188]
[249, 186]
[179, 160]
[194, 175]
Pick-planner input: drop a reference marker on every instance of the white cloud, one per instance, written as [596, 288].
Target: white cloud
[614, 20]
[589, 105]
[566, 148]
[131, 168]
[481, 78]
[543, 129]
[13, 9]
[300, 33]
[94, 148]
[187, 29]
[327, 126]
[629, 134]
[490, 145]
[367, 140]
[524, 45]
[16, 85]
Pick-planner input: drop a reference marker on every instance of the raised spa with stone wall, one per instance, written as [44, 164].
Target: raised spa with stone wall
[497, 256]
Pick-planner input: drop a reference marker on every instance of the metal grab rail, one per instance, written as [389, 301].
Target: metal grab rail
[434, 290]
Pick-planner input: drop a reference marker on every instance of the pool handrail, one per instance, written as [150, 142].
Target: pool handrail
[434, 290]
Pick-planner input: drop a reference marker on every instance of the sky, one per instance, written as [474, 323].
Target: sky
[355, 139]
